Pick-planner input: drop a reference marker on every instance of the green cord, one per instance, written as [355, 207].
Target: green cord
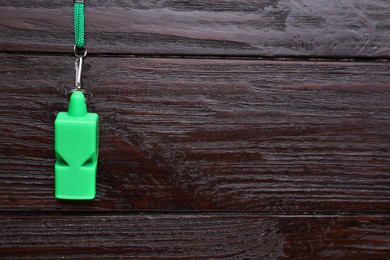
[78, 17]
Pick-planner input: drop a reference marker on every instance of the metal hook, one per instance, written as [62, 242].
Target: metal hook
[78, 68]
[79, 65]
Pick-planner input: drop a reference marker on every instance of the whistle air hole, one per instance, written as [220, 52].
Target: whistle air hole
[88, 162]
[61, 161]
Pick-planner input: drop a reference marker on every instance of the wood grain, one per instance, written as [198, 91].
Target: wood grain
[269, 28]
[216, 129]
[201, 236]
[196, 134]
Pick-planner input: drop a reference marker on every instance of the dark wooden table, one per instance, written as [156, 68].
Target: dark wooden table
[229, 129]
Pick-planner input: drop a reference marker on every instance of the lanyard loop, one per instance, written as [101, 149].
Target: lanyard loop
[78, 19]
[79, 50]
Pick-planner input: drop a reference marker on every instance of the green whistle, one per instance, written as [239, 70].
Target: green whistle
[76, 145]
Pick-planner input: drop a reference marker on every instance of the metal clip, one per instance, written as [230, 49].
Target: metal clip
[78, 1]
[78, 65]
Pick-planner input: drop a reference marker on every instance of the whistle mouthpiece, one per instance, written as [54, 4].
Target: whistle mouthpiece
[77, 106]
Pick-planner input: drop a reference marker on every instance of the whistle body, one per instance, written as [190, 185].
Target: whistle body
[76, 145]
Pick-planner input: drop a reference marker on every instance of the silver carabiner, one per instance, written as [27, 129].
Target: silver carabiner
[78, 65]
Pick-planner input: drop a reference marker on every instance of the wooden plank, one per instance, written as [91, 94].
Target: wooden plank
[192, 134]
[204, 236]
[262, 28]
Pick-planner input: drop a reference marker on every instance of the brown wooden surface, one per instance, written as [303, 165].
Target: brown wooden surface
[330, 28]
[224, 136]
[206, 134]
[200, 236]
